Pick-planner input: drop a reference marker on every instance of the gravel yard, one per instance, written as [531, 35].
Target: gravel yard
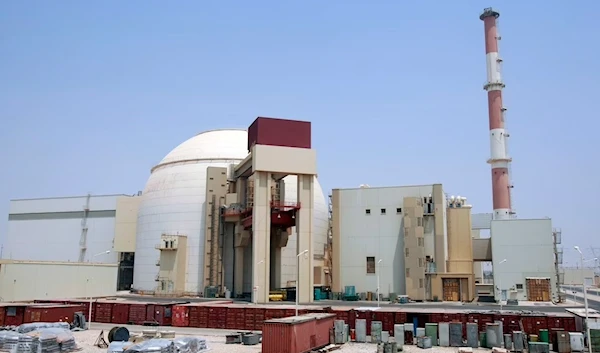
[216, 342]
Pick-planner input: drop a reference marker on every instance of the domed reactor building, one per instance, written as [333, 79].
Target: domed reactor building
[219, 214]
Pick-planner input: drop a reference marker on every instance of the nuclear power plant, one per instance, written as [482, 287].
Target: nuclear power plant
[240, 213]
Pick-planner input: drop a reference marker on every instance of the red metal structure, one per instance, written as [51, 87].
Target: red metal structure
[279, 132]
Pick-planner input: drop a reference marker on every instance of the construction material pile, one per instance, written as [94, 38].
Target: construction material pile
[9, 340]
[53, 340]
[38, 338]
[34, 326]
[161, 345]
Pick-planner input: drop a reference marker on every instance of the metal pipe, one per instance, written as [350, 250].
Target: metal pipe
[378, 274]
[91, 297]
[298, 279]
[500, 285]
[585, 301]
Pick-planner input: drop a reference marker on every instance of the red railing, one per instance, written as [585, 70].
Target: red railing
[285, 206]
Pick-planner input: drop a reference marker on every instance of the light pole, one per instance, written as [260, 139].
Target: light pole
[585, 302]
[298, 279]
[89, 287]
[378, 274]
[256, 287]
[500, 284]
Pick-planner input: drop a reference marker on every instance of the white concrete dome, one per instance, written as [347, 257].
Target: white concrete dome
[173, 202]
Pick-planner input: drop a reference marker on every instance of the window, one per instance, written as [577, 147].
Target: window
[420, 241]
[398, 210]
[383, 211]
[367, 211]
[420, 282]
[519, 286]
[370, 264]
[419, 221]
[408, 272]
[420, 262]
[406, 252]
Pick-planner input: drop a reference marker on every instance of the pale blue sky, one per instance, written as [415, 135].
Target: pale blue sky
[93, 94]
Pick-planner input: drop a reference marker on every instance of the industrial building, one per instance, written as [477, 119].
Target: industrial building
[241, 212]
[184, 233]
[413, 240]
[524, 252]
[191, 199]
[577, 276]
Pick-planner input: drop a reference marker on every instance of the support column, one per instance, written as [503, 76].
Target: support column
[279, 239]
[261, 237]
[241, 240]
[275, 266]
[304, 228]
[238, 271]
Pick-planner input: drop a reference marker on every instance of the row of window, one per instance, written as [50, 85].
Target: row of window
[384, 211]
[371, 266]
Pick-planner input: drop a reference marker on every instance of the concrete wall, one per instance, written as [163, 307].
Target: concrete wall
[126, 223]
[358, 235]
[460, 243]
[527, 246]
[575, 276]
[50, 229]
[29, 280]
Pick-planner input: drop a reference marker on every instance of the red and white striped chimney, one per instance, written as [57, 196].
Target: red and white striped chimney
[499, 159]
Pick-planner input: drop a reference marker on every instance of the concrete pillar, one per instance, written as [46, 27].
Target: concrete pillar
[304, 240]
[261, 237]
[238, 271]
[279, 239]
[275, 267]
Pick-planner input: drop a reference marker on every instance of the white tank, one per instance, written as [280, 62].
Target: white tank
[173, 202]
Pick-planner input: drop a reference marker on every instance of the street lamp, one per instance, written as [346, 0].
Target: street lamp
[500, 284]
[378, 274]
[89, 285]
[298, 279]
[585, 301]
[256, 287]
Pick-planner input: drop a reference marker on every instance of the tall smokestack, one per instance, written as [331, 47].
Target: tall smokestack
[499, 160]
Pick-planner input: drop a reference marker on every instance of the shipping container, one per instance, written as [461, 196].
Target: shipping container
[197, 313]
[181, 315]
[137, 313]
[102, 311]
[14, 313]
[51, 313]
[120, 313]
[161, 313]
[279, 132]
[297, 334]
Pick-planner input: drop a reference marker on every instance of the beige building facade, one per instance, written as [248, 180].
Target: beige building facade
[411, 239]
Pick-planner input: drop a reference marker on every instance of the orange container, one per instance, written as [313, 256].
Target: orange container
[181, 316]
[297, 334]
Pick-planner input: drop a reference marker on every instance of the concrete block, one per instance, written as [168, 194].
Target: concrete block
[499, 350]
[465, 350]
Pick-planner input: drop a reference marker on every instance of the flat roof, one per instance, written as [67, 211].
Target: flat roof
[389, 187]
[71, 197]
[31, 262]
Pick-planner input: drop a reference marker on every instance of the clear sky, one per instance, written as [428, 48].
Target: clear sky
[93, 94]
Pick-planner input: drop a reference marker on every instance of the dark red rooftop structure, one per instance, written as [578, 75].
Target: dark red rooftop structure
[279, 132]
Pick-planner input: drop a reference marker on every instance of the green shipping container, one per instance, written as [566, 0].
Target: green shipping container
[317, 294]
[431, 331]
[544, 336]
[482, 339]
